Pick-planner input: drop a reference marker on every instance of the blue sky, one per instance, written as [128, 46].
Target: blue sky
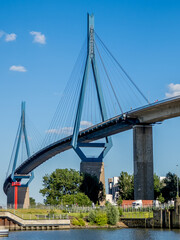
[143, 35]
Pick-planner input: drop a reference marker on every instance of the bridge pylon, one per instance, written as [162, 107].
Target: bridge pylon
[18, 193]
[95, 165]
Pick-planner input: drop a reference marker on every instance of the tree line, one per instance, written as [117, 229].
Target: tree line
[68, 187]
[163, 190]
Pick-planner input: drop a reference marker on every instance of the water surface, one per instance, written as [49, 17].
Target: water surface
[97, 234]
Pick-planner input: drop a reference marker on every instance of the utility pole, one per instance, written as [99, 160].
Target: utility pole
[177, 182]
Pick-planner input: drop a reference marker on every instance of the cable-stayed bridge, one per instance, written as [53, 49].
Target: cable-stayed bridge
[89, 112]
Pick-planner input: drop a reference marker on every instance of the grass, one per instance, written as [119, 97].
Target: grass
[78, 214]
[35, 214]
[137, 214]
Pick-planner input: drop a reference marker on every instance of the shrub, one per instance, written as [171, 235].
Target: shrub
[65, 211]
[120, 212]
[98, 216]
[92, 216]
[75, 222]
[78, 222]
[80, 199]
[101, 218]
[81, 222]
[119, 201]
[112, 214]
[51, 213]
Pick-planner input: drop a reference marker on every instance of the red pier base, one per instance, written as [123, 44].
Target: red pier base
[16, 185]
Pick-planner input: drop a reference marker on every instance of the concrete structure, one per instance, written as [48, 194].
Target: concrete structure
[94, 168]
[143, 162]
[13, 222]
[23, 197]
[165, 218]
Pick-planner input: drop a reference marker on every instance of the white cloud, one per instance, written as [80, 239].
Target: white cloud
[68, 130]
[10, 37]
[17, 68]
[64, 130]
[38, 37]
[86, 123]
[174, 90]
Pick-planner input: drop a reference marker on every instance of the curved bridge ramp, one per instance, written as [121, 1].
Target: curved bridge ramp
[13, 222]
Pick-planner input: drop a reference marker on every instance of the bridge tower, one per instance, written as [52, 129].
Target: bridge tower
[91, 165]
[18, 193]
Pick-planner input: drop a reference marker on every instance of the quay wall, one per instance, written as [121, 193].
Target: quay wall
[13, 222]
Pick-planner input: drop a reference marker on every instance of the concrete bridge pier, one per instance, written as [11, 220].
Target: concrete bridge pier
[143, 162]
[22, 197]
[94, 168]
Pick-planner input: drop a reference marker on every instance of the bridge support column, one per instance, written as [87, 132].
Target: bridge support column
[22, 198]
[94, 168]
[143, 162]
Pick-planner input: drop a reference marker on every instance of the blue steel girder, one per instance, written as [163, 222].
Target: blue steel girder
[21, 133]
[90, 62]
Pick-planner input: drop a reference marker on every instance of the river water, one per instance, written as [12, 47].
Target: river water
[97, 234]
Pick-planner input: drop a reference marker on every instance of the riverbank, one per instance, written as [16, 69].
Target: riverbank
[43, 219]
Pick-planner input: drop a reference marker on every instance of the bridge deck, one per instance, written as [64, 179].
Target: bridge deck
[148, 114]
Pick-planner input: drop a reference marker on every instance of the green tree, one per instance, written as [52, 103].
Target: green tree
[119, 201]
[126, 186]
[112, 214]
[157, 186]
[169, 190]
[32, 202]
[161, 198]
[92, 188]
[80, 199]
[59, 183]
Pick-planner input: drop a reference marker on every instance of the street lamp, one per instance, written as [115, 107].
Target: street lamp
[177, 182]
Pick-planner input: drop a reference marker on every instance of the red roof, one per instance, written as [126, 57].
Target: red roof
[127, 202]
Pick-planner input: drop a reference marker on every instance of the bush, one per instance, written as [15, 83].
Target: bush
[92, 216]
[65, 211]
[75, 222]
[51, 213]
[81, 222]
[101, 218]
[120, 212]
[112, 214]
[78, 222]
[119, 201]
[80, 199]
[98, 217]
